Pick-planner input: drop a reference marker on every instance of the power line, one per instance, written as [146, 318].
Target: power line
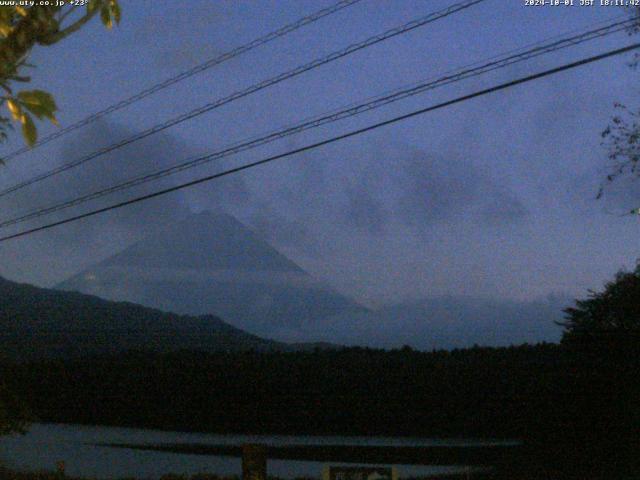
[336, 115]
[281, 32]
[407, 27]
[328, 141]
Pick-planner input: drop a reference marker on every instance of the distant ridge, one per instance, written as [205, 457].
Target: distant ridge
[38, 322]
[210, 263]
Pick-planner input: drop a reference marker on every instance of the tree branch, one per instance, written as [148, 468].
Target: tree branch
[74, 27]
[66, 14]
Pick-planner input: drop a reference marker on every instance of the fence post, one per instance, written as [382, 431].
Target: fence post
[254, 462]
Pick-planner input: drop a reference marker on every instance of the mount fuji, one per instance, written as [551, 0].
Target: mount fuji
[210, 263]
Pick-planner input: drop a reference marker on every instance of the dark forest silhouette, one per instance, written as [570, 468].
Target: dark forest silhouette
[576, 405]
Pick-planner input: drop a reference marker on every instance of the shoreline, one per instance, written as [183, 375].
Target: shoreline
[472, 456]
[378, 439]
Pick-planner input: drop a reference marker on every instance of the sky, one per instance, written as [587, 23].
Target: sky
[493, 197]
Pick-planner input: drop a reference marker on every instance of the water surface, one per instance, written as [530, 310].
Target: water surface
[45, 444]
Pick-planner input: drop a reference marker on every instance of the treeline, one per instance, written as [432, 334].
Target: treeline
[497, 392]
[564, 402]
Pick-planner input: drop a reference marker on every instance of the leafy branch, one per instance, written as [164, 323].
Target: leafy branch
[621, 138]
[21, 29]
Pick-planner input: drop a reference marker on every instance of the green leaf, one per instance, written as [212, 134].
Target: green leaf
[105, 15]
[38, 97]
[93, 4]
[115, 10]
[29, 131]
[40, 103]
[14, 108]
[5, 29]
[6, 15]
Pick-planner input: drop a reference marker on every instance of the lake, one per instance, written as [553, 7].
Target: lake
[45, 444]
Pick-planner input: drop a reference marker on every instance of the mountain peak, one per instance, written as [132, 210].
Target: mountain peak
[204, 241]
[211, 263]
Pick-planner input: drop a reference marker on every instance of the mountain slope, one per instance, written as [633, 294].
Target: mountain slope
[213, 264]
[37, 322]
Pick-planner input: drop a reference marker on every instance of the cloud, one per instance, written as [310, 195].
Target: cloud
[442, 322]
[312, 206]
[171, 49]
[499, 205]
[432, 188]
[281, 230]
[375, 192]
[53, 254]
[436, 188]
[364, 206]
[138, 158]
[364, 209]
